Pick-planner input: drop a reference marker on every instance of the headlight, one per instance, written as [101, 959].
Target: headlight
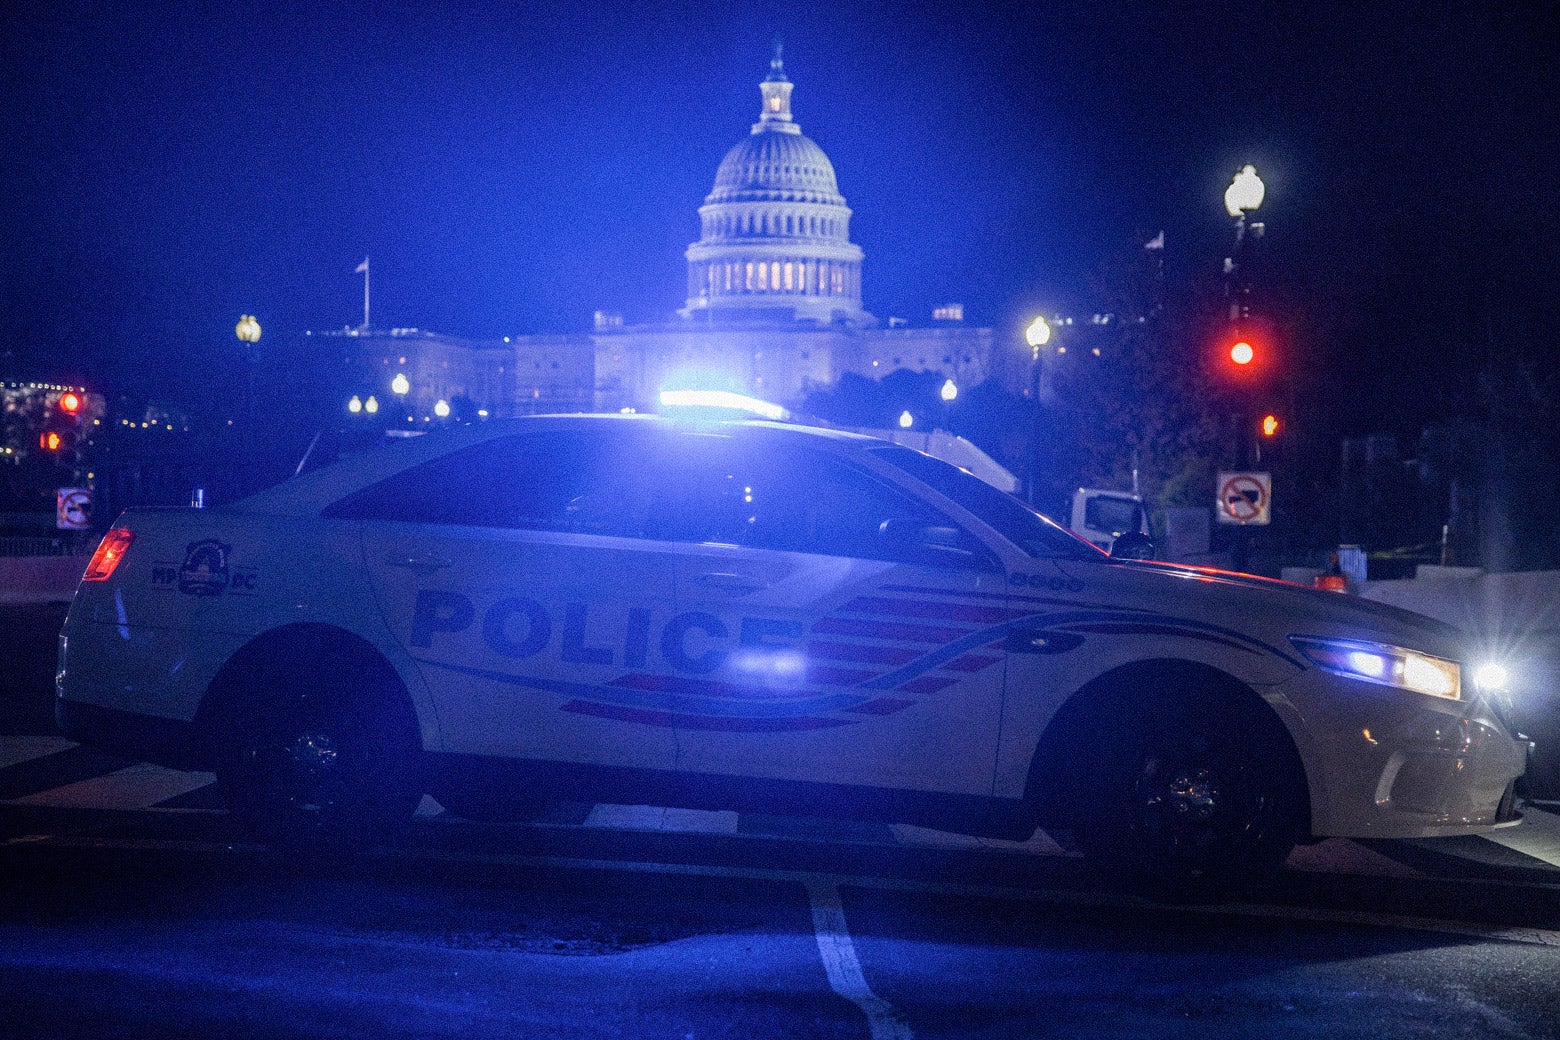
[1384, 664]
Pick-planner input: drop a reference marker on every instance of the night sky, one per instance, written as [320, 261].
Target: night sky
[512, 167]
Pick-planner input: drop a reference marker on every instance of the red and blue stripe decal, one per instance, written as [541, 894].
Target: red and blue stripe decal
[874, 656]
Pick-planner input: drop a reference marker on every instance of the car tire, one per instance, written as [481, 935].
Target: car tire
[323, 767]
[1195, 796]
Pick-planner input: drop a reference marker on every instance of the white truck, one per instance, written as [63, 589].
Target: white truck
[1103, 516]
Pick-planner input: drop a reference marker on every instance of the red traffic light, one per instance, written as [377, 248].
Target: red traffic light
[1242, 353]
[70, 402]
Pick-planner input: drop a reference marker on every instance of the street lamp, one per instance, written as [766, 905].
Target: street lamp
[906, 420]
[1037, 335]
[949, 391]
[1243, 197]
[400, 384]
[248, 332]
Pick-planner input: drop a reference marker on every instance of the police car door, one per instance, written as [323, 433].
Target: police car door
[511, 574]
[831, 628]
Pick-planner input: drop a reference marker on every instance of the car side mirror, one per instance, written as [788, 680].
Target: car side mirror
[1132, 545]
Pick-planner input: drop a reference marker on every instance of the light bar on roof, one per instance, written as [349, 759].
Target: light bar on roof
[723, 399]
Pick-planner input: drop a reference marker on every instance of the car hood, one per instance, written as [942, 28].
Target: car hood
[1279, 608]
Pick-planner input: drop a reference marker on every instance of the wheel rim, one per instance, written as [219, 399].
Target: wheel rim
[302, 772]
[1200, 811]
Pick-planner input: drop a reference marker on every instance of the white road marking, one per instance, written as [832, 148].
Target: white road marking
[1042, 844]
[700, 821]
[1342, 856]
[656, 818]
[16, 750]
[134, 787]
[843, 966]
[1538, 835]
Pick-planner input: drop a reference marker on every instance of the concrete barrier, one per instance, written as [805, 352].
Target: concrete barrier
[1490, 605]
[40, 579]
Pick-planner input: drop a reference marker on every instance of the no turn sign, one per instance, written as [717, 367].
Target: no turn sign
[1245, 498]
[72, 509]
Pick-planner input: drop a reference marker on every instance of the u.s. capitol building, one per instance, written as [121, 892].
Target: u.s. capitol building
[774, 309]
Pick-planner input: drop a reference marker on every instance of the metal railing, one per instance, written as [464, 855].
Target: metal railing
[64, 545]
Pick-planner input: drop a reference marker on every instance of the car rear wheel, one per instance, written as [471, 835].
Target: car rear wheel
[319, 768]
[1199, 797]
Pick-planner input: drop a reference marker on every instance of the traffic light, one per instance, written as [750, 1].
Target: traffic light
[1270, 425]
[70, 403]
[1245, 356]
[56, 440]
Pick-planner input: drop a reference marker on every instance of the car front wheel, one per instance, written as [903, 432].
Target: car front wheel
[1203, 796]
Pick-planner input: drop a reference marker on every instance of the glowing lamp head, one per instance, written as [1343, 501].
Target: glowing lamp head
[371, 405]
[400, 384]
[442, 409]
[247, 329]
[1242, 353]
[906, 420]
[355, 405]
[1245, 192]
[1038, 334]
[949, 391]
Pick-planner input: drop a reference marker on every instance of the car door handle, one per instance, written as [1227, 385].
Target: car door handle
[418, 564]
[735, 584]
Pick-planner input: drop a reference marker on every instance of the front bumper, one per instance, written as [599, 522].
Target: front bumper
[1386, 763]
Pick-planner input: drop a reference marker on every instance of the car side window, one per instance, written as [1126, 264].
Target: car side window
[795, 501]
[575, 481]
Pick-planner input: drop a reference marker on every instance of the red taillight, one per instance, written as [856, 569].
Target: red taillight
[109, 552]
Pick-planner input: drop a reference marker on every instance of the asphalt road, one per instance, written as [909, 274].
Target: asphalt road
[133, 908]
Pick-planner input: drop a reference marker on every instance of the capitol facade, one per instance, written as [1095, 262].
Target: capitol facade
[774, 309]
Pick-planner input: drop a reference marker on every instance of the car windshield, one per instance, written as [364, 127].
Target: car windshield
[1035, 534]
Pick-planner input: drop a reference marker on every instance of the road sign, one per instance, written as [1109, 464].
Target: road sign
[1245, 498]
[73, 509]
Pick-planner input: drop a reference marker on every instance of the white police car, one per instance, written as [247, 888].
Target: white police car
[758, 617]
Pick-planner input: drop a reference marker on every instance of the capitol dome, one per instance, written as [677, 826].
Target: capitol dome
[775, 231]
[771, 166]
